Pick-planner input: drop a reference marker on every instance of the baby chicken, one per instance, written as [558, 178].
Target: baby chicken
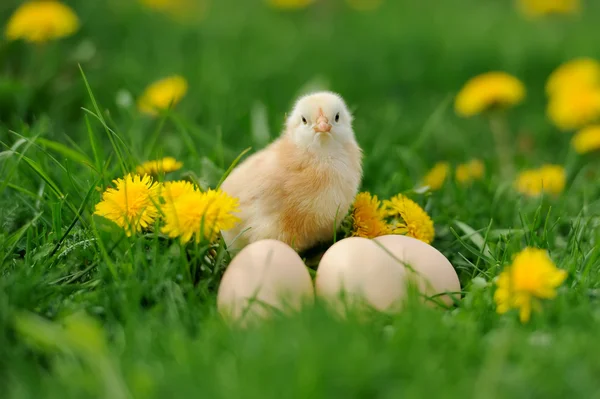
[300, 187]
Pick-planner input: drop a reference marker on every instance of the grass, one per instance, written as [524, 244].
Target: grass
[152, 329]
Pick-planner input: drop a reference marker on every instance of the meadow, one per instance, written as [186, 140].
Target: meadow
[88, 311]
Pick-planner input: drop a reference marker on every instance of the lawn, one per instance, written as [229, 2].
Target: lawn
[87, 311]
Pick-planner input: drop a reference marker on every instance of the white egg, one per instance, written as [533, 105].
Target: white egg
[376, 271]
[266, 274]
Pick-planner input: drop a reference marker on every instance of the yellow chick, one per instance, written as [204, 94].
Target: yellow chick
[300, 187]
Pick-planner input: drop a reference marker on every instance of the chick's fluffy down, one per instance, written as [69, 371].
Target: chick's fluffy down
[299, 188]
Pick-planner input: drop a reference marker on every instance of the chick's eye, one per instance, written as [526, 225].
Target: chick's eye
[304, 120]
[337, 117]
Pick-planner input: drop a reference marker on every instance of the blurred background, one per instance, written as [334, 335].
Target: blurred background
[396, 62]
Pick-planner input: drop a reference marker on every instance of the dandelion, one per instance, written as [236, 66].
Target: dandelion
[436, 177]
[132, 205]
[535, 8]
[201, 215]
[409, 219]
[489, 91]
[549, 179]
[162, 94]
[580, 72]
[159, 166]
[468, 172]
[531, 276]
[173, 190]
[290, 4]
[41, 21]
[368, 217]
[575, 107]
[587, 140]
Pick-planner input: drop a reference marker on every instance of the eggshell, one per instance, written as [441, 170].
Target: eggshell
[265, 274]
[436, 274]
[362, 269]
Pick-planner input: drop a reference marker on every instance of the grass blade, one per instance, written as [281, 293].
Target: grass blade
[96, 150]
[233, 164]
[67, 152]
[13, 240]
[39, 171]
[475, 237]
[76, 218]
[98, 115]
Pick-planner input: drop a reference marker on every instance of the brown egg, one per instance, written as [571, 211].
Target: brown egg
[266, 274]
[375, 271]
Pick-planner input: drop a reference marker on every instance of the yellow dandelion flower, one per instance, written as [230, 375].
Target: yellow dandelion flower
[368, 217]
[587, 140]
[531, 276]
[575, 107]
[549, 179]
[173, 190]
[290, 4]
[156, 167]
[535, 8]
[436, 177]
[409, 218]
[41, 21]
[578, 72]
[364, 5]
[132, 205]
[554, 178]
[201, 215]
[162, 94]
[468, 172]
[487, 91]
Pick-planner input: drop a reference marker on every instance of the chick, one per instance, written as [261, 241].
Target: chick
[300, 187]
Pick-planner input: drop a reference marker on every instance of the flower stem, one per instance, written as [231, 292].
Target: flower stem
[502, 143]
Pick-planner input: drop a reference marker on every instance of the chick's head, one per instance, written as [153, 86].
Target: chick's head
[320, 120]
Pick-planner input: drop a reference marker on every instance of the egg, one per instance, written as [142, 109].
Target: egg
[375, 271]
[264, 275]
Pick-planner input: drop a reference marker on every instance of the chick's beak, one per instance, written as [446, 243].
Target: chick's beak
[322, 125]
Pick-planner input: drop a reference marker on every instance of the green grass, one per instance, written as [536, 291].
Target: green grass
[155, 329]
